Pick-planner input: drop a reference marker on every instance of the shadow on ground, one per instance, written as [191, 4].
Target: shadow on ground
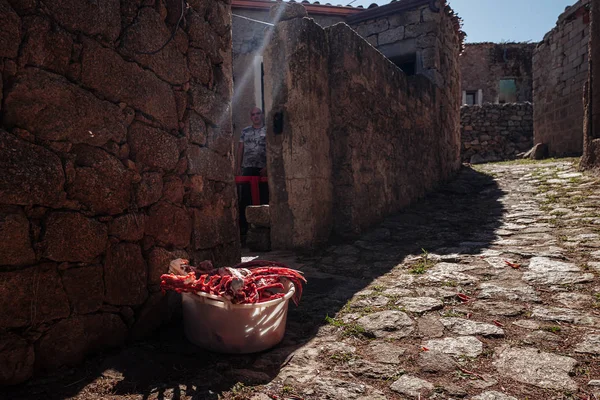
[459, 217]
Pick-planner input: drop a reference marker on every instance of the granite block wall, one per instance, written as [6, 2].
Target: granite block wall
[115, 157]
[560, 70]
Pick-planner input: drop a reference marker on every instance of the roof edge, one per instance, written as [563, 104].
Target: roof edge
[391, 8]
[314, 9]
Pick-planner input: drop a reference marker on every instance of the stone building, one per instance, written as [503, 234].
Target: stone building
[400, 30]
[115, 157]
[591, 139]
[335, 168]
[496, 73]
[560, 70]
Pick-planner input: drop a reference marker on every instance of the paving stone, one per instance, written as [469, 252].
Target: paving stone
[564, 315]
[435, 361]
[527, 324]
[420, 304]
[465, 327]
[331, 388]
[590, 345]
[399, 292]
[394, 324]
[436, 292]
[386, 353]
[411, 385]
[465, 345]
[369, 369]
[507, 290]
[546, 271]
[541, 337]
[498, 308]
[448, 276]
[538, 368]
[430, 327]
[493, 395]
[379, 301]
[574, 300]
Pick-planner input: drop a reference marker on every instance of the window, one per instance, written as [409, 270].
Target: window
[407, 63]
[471, 98]
[507, 92]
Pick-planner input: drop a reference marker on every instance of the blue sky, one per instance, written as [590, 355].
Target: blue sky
[505, 20]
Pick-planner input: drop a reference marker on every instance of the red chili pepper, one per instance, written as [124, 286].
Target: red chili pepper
[423, 348]
[512, 265]
[469, 315]
[463, 297]
[498, 323]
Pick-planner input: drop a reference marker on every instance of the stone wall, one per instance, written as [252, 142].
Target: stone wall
[495, 132]
[407, 35]
[591, 148]
[112, 162]
[560, 65]
[483, 65]
[376, 140]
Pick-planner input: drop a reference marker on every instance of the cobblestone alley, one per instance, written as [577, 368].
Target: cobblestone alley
[488, 289]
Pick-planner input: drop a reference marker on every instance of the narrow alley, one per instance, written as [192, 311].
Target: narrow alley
[487, 289]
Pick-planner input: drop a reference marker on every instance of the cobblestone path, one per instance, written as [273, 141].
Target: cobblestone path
[488, 289]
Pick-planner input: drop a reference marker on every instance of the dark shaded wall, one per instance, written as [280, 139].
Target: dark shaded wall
[560, 65]
[483, 65]
[112, 163]
[377, 140]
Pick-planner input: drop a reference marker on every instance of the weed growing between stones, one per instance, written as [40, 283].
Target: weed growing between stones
[422, 265]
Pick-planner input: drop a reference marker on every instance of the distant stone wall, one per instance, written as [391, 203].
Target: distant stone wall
[112, 163]
[560, 65]
[495, 132]
[483, 65]
[336, 168]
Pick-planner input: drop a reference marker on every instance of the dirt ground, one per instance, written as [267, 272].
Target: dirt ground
[488, 289]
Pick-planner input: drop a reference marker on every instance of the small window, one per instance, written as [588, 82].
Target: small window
[407, 63]
[507, 92]
[471, 98]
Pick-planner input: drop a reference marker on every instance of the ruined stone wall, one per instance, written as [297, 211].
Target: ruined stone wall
[483, 65]
[495, 132]
[560, 65]
[385, 140]
[112, 163]
[591, 147]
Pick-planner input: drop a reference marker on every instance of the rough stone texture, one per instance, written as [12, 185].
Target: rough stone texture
[52, 108]
[10, 35]
[483, 65]
[495, 132]
[465, 345]
[125, 275]
[103, 70]
[69, 340]
[467, 327]
[70, 236]
[420, 304]
[32, 296]
[34, 174]
[88, 297]
[95, 144]
[15, 246]
[259, 239]
[493, 395]
[101, 183]
[411, 385]
[258, 215]
[552, 272]
[387, 324]
[16, 359]
[538, 368]
[560, 69]
[128, 227]
[590, 344]
[351, 190]
[153, 147]
[434, 361]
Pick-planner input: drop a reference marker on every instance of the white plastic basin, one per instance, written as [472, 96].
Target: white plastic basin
[220, 326]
